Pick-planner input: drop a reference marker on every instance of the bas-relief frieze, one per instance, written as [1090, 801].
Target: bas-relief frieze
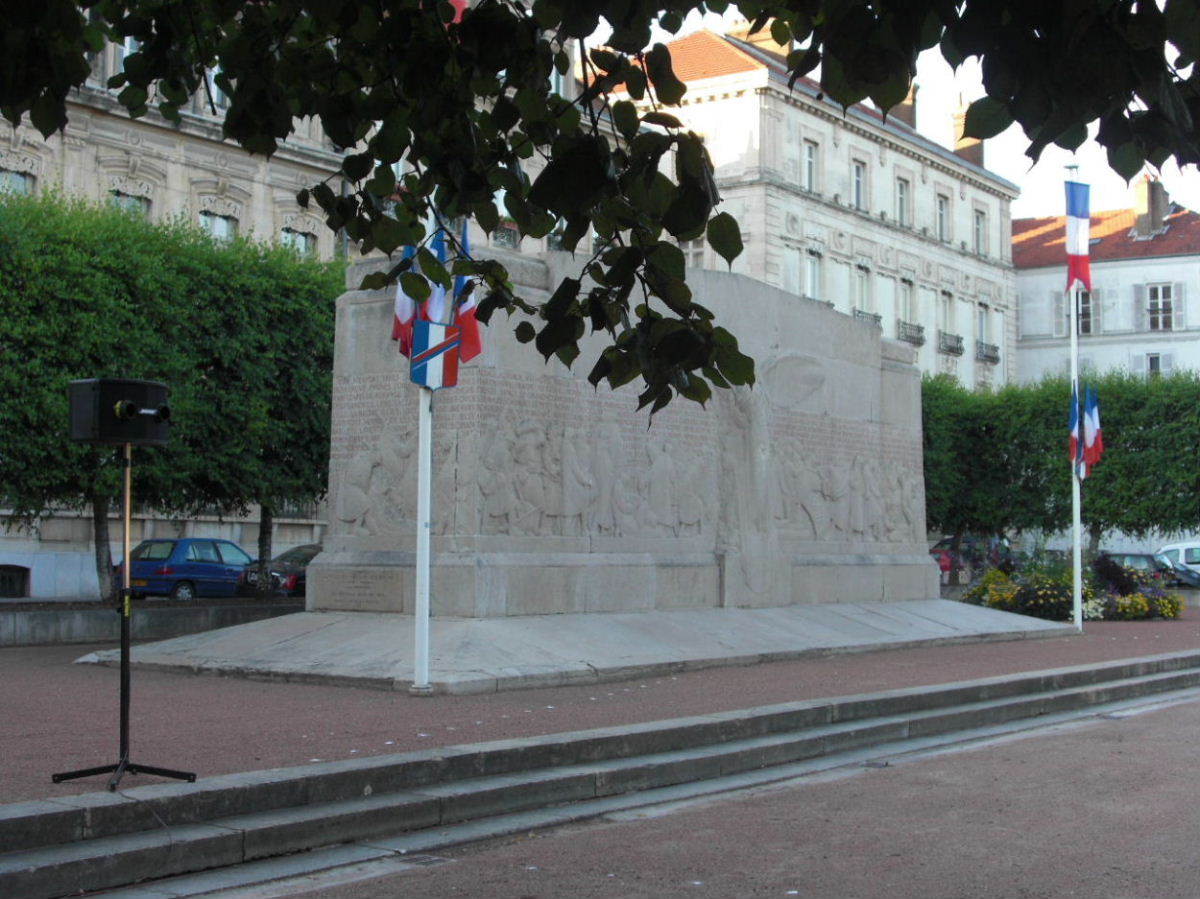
[550, 479]
[543, 477]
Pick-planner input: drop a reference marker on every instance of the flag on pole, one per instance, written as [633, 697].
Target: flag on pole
[408, 311]
[464, 318]
[1093, 437]
[405, 313]
[434, 355]
[1076, 442]
[1078, 236]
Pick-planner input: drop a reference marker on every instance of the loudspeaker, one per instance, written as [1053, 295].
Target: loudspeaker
[117, 410]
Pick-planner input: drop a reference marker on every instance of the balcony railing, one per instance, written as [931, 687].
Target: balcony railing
[910, 332]
[863, 315]
[950, 344]
[987, 352]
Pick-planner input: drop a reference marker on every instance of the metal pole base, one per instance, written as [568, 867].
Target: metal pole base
[119, 770]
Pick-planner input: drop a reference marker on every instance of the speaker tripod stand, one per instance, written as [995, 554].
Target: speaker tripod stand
[123, 764]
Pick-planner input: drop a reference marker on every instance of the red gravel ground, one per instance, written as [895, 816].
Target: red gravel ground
[56, 716]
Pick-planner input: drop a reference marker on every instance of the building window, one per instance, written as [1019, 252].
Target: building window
[218, 97]
[220, 227]
[124, 50]
[979, 232]
[862, 288]
[16, 182]
[130, 203]
[1158, 364]
[945, 316]
[859, 184]
[303, 242]
[693, 252]
[808, 175]
[1087, 313]
[812, 275]
[905, 301]
[903, 199]
[1159, 307]
[943, 217]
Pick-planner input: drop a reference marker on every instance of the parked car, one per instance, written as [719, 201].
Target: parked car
[288, 571]
[187, 567]
[1182, 554]
[1180, 575]
[1143, 563]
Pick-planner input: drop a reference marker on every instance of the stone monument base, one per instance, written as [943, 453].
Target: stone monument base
[484, 655]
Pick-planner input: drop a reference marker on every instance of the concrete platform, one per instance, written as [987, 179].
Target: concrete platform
[487, 655]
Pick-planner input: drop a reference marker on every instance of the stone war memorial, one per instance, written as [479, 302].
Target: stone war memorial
[551, 496]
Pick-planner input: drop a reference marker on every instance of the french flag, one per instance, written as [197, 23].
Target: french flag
[464, 317]
[408, 311]
[1076, 443]
[435, 355]
[1093, 437]
[1078, 236]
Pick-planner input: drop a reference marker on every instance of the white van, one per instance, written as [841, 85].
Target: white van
[1182, 554]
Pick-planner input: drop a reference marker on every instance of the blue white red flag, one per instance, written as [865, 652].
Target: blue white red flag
[408, 311]
[1078, 236]
[464, 317]
[1093, 437]
[434, 360]
[1076, 436]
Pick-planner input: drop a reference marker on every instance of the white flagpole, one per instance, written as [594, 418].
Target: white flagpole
[420, 682]
[1076, 500]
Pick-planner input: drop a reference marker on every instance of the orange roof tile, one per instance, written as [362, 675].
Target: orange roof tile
[704, 54]
[1039, 242]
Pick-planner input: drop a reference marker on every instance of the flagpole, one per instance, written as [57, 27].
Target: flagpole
[1076, 498]
[420, 682]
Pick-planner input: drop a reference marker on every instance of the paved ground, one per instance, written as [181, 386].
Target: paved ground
[59, 716]
[1095, 811]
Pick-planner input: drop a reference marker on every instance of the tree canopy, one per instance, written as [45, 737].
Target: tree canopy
[997, 462]
[468, 103]
[242, 335]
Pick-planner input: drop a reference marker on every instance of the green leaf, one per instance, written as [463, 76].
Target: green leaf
[725, 237]
[986, 117]
[665, 119]
[625, 117]
[524, 332]
[415, 286]
[667, 86]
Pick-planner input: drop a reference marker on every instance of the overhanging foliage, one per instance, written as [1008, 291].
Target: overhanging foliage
[469, 104]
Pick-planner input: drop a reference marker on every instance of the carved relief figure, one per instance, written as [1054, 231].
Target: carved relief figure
[578, 482]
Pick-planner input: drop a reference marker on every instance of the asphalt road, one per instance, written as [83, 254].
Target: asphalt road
[1109, 808]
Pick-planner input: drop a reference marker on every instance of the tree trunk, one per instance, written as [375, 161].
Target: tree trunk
[266, 518]
[104, 564]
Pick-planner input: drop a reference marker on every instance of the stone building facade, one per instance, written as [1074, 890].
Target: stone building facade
[856, 211]
[1145, 264]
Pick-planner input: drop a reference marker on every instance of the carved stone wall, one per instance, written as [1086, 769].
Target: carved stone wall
[550, 496]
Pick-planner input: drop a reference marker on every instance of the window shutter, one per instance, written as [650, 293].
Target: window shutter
[1059, 308]
[1177, 292]
[1097, 306]
[1166, 363]
[1139, 307]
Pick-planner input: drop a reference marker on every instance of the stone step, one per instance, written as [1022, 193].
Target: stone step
[102, 840]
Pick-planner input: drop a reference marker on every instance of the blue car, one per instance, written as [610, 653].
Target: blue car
[186, 568]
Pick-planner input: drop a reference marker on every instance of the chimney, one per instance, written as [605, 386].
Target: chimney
[906, 110]
[760, 40]
[967, 148]
[1151, 208]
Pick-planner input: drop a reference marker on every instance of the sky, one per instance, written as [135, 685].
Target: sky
[1042, 194]
[940, 92]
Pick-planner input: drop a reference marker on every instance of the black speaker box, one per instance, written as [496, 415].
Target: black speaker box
[116, 410]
